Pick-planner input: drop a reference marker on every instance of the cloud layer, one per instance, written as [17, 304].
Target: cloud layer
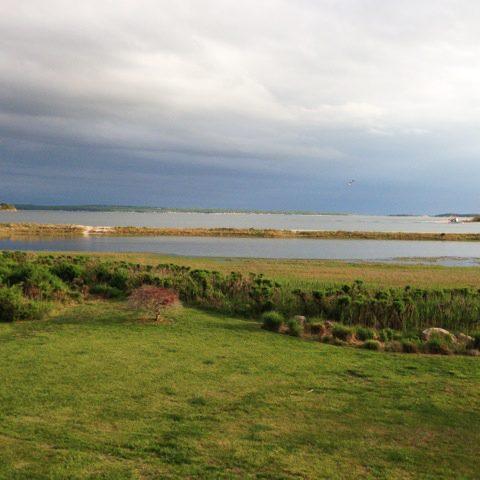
[271, 104]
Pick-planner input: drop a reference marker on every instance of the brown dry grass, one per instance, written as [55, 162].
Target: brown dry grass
[36, 229]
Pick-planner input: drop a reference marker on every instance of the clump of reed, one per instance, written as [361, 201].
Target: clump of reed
[402, 309]
[65, 277]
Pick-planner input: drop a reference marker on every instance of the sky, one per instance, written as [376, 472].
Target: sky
[272, 104]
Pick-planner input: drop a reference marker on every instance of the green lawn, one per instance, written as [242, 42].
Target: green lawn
[96, 393]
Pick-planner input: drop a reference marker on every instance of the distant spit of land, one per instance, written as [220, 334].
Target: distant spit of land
[147, 209]
[7, 206]
[11, 230]
[143, 209]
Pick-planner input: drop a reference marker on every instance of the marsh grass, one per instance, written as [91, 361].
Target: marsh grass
[312, 274]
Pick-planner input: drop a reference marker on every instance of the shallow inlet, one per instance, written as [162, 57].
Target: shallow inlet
[445, 253]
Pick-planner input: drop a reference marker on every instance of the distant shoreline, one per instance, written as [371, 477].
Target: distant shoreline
[138, 209]
[36, 230]
[145, 209]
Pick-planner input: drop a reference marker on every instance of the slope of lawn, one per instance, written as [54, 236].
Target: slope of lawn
[96, 393]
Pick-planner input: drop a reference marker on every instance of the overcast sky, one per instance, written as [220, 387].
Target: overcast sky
[271, 104]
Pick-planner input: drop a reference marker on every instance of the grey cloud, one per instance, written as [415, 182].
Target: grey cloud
[305, 92]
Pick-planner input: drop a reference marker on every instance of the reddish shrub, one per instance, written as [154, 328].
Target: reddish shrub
[153, 299]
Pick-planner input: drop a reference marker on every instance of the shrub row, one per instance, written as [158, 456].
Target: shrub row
[50, 278]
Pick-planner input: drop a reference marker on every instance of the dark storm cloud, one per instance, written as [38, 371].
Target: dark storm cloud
[248, 104]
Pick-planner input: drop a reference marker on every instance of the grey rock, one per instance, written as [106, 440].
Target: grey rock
[439, 333]
[464, 339]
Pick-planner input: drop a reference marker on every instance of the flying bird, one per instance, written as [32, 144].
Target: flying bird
[350, 183]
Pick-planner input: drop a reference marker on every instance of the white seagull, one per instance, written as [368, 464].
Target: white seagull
[350, 183]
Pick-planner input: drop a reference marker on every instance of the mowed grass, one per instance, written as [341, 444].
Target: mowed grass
[320, 272]
[97, 393]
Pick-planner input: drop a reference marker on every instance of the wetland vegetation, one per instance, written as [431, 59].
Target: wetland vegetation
[30, 283]
[32, 230]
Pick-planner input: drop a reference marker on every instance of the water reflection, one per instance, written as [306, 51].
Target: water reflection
[451, 253]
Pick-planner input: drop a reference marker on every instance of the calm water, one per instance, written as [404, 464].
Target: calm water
[244, 220]
[447, 253]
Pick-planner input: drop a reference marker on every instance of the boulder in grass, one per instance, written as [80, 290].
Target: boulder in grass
[436, 332]
[464, 339]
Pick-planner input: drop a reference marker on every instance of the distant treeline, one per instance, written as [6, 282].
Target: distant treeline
[439, 215]
[132, 208]
[140, 209]
[7, 206]
[458, 215]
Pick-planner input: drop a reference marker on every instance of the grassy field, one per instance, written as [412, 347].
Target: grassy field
[313, 272]
[94, 392]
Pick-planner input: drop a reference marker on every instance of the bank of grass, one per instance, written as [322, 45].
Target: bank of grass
[96, 393]
[33, 230]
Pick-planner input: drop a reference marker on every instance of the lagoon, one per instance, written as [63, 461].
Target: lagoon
[445, 253]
